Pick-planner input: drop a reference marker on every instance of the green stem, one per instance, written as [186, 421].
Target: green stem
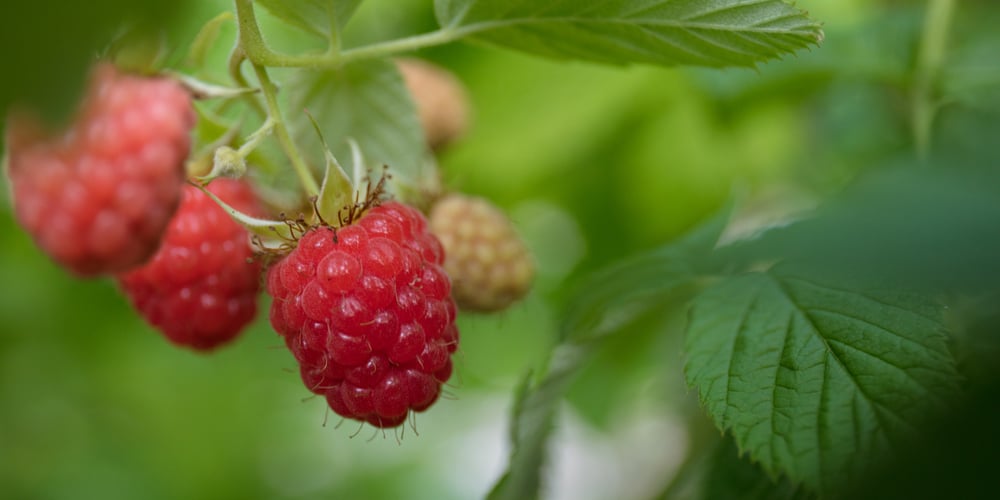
[408, 44]
[259, 53]
[236, 58]
[252, 46]
[281, 131]
[930, 59]
[255, 138]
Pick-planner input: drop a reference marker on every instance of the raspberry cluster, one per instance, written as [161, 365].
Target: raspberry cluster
[200, 288]
[97, 196]
[366, 310]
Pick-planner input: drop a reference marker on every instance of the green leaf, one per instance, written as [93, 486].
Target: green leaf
[817, 381]
[336, 193]
[613, 296]
[271, 233]
[532, 422]
[732, 477]
[48, 47]
[367, 102]
[666, 32]
[314, 16]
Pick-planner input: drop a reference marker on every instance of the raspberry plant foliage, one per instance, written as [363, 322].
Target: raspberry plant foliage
[812, 379]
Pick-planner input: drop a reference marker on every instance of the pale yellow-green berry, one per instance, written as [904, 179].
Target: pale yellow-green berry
[489, 264]
[440, 98]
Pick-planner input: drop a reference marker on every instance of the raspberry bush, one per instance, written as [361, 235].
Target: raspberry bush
[776, 283]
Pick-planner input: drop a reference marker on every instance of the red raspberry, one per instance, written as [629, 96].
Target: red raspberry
[97, 197]
[366, 310]
[200, 289]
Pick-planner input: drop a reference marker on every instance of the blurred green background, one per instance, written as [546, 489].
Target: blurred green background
[593, 163]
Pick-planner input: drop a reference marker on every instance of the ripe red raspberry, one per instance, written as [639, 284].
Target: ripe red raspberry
[97, 196]
[489, 263]
[366, 310]
[200, 289]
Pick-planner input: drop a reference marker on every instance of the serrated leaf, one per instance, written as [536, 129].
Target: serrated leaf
[666, 32]
[367, 102]
[314, 16]
[816, 381]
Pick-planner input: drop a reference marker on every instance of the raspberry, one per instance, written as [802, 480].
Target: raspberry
[489, 263]
[97, 197]
[200, 288]
[367, 313]
[442, 104]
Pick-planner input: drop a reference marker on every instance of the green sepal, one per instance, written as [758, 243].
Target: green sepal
[336, 191]
[271, 234]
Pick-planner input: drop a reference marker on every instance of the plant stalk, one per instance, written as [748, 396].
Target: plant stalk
[930, 59]
[281, 131]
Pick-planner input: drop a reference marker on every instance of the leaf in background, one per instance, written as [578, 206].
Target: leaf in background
[731, 477]
[367, 102]
[930, 227]
[47, 47]
[600, 310]
[314, 16]
[814, 381]
[613, 296]
[532, 422]
[667, 32]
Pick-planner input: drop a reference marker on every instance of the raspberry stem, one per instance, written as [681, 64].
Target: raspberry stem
[930, 58]
[259, 53]
[281, 131]
[254, 139]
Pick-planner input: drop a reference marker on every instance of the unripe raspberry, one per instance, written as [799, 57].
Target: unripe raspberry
[440, 98]
[97, 196]
[488, 262]
[366, 311]
[200, 289]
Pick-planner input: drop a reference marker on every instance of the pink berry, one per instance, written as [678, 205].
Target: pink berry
[97, 196]
[200, 288]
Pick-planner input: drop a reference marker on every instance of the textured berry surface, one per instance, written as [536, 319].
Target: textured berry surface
[200, 289]
[97, 197]
[366, 311]
[487, 260]
[440, 98]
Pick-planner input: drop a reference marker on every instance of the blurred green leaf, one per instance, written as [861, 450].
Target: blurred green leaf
[314, 16]
[930, 227]
[367, 102]
[706, 33]
[732, 477]
[613, 296]
[532, 422]
[47, 46]
[817, 381]
[617, 294]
